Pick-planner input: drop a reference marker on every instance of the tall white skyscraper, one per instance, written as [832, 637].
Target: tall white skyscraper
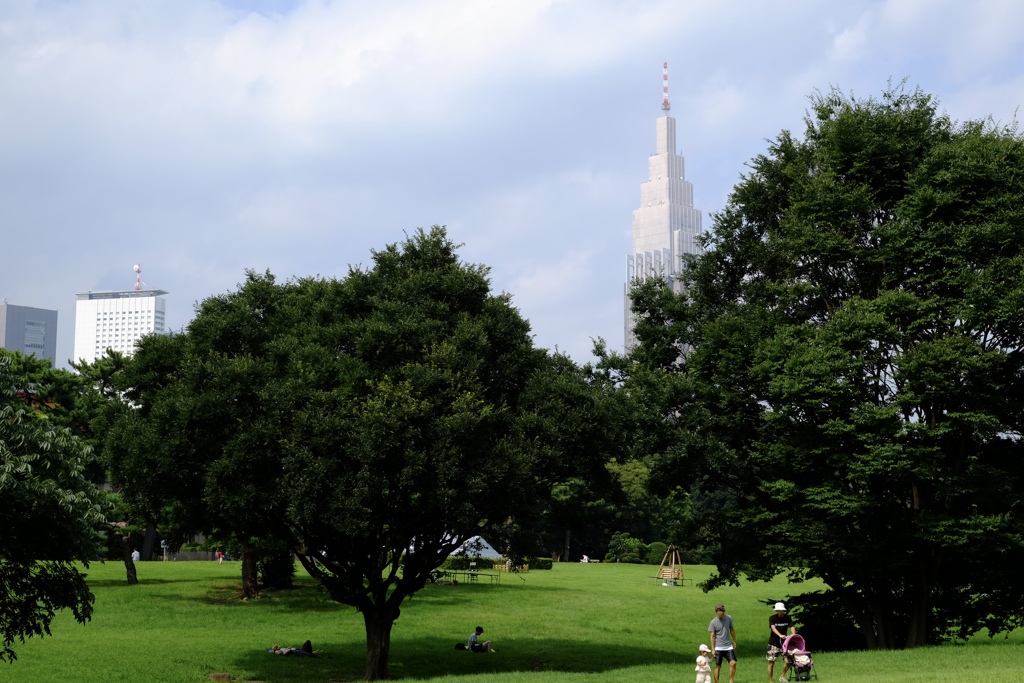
[666, 225]
[116, 320]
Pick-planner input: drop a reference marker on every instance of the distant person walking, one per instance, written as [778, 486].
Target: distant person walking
[474, 641]
[136, 555]
[780, 625]
[723, 642]
[220, 556]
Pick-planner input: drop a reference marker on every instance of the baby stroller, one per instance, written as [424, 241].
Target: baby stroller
[799, 657]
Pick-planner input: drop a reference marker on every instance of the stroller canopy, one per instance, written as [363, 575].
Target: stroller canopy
[793, 643]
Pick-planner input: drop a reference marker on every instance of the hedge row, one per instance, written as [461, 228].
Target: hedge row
[625, 548]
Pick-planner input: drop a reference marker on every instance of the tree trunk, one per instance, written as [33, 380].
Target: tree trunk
[149, 544]
[917, 630]
[250, 582]
[379, 620]
[129, 563]
[870, 609]
[882, 616]
[920, 610]
[856, 604]
[568, 535]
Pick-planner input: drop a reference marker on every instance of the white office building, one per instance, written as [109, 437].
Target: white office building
[116, 320]
[666, 226]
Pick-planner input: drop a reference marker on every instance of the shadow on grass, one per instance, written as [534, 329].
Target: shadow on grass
[229, 595]
[306, 595]
[428, 658]
[122, 582]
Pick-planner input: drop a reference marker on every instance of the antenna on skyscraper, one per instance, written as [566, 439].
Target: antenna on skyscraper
[138, 277]
[664, 88]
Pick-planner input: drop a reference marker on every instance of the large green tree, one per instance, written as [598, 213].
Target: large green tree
[851, 345]
[371, 422]
[571, 418]
[86, 402]
[179, 456]
[49, 509]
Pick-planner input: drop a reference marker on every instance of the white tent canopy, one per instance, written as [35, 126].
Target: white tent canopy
[477, 547]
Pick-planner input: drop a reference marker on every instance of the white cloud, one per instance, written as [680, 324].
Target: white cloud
[203, 138]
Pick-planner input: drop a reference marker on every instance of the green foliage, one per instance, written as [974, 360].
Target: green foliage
[275, 563]
[655, 552]
[540, 563]
[825, 621]
[654, 483]
[624, 548]
[462, 563]
[368, 422]
[49, 507]
[570, 417]
[852, 392]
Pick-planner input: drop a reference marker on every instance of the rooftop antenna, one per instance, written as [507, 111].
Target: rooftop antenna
[138, 277]
[664, 88]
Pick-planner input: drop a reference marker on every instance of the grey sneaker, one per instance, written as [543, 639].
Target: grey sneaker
[783, 679]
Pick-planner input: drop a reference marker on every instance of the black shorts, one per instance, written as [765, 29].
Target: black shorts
[477, 647]
[729, 655]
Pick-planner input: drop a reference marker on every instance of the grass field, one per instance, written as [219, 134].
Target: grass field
[579, 623]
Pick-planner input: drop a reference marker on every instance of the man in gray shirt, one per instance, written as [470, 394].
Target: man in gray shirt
[723, 642]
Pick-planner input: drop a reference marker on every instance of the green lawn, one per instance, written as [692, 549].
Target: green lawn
[597, 622]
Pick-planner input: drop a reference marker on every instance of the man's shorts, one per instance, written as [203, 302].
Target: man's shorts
[773, 653]
[729, 655]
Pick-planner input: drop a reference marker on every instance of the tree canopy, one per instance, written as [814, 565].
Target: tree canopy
[49, 507]
[370, 422]
[848, 360]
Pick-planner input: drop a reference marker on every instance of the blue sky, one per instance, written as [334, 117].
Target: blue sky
[200, 138]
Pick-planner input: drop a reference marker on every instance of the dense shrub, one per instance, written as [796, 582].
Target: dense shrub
[275, 564]
[824, 622]
[460, 563]
[624, 548]
[699, 555]
[656, 552]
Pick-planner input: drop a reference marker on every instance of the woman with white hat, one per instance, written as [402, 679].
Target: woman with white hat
[781, 625]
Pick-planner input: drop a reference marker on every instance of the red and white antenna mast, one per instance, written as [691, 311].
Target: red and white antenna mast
[138, 277]
[664, 88]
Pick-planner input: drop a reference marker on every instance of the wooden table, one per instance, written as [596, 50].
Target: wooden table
[470, 577]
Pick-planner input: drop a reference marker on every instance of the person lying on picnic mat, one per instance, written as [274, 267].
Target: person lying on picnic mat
[305, 651]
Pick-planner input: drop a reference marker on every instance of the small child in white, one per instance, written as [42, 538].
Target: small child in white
[703, 665]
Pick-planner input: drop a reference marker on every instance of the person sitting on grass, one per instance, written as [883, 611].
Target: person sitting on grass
[474, 642]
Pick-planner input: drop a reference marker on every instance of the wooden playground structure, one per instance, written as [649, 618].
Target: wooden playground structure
[670, 573]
